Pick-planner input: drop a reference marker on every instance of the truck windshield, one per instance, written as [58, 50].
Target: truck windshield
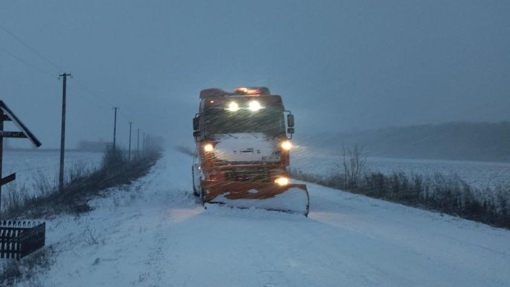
[269, 121]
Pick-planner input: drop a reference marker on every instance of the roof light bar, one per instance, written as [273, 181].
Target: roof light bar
[253, 91]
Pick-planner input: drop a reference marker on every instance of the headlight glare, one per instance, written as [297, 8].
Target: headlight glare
[286, 145]
[282, 181]
[208, 147]
[254, 106]
[233, 106]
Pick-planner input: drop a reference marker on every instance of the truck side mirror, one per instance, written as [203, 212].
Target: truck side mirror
[196, 123]
[290, 120]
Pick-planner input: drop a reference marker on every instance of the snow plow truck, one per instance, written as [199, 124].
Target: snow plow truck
[242, 151]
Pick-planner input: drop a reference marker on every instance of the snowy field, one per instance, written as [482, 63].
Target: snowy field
[29, 164]
[154, 234]
[477, 174]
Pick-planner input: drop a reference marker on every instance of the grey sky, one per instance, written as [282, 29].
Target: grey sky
[339, 65]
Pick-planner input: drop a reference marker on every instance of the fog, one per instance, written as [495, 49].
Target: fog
[339, 65]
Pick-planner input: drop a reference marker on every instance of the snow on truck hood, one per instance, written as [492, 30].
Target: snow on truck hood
[245, 147]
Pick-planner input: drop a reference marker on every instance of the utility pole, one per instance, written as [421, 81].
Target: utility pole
[129, 150]
[63, 132]
[143, 143]
[115, 127]
[138, 143]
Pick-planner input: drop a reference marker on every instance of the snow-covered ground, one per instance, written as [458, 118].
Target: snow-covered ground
[477, 174]
[28, 164]
[154, 234]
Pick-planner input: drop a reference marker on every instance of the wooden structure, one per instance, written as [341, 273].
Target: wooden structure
[17, 238]
[7, 115]
[20, 238]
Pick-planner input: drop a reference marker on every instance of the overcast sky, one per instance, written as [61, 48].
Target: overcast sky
[339, 65]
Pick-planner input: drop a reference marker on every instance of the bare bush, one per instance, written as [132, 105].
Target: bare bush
[43, 185]
[78, 171]
[28, 268]
[353, 164]
[115, 170]
[113, 158]
[91, 237]
[15, 196]
[11, 273]
[447, 194]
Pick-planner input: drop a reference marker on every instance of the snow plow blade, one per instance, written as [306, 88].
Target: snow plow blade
[292, 198]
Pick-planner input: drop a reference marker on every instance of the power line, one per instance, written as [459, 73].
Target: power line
[91, 99]
[30, 48]
[92, 93]
[98, 99]
[47, 60]
[87, 99]
[85, 87]
[26, 62]
[124, 115]
[99, 105]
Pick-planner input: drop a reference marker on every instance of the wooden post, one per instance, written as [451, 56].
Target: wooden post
[138, 143]
[129, 152]
[2, 117]
[63, 133]
[115, 127]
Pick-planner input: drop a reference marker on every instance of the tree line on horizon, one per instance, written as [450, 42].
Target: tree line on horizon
[449, 141]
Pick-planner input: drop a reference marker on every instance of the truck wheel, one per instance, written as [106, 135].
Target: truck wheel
[202, 197]
[195, 192]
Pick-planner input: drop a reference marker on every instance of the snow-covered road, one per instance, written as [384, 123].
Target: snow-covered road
[155, 235]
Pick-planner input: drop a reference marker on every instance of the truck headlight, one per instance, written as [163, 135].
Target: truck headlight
[286, 145]
[233, 107]
[208, 147]
[254, 106]
[282, 181]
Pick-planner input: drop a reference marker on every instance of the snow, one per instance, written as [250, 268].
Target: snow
[293, 200]
[152, 233]
[28, 165]
[245, 147]
[477, 174]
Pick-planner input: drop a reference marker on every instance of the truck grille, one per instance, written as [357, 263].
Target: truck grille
[258, 175]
